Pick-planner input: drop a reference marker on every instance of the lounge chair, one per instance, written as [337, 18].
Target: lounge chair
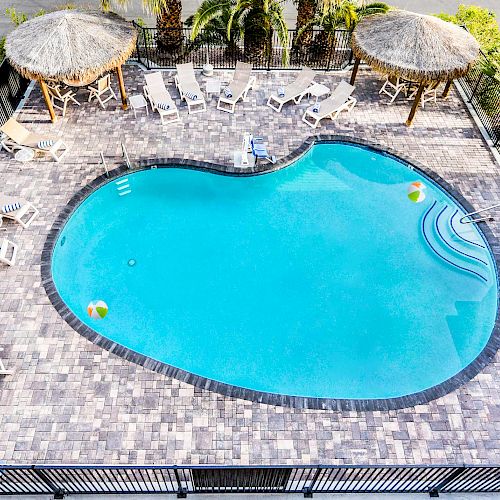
[294, 91]
[188, 87]
[23, 215]
[241, 83]
[103, 86]
[3, 370]
[159, 98]
[259, 150]
[15, 136]
[63, 95]
[8, 252]
[339, 100]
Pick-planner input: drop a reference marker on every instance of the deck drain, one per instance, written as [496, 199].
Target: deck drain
[63, 240]
[131, 262]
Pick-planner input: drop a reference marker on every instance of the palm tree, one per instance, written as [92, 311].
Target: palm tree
[209, 25]
[168, 19]
[306, 10]
[260, 19]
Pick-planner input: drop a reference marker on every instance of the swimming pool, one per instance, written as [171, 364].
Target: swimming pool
[322, 280]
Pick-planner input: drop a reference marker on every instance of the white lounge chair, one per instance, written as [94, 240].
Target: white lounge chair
[160, 99]
[241, 83]
[63, 95]
[24, 215]
[15, 136]
[8, 252]
[188, 87]
[294, 91]
[3, 370]
[103, 86]
[340, 100]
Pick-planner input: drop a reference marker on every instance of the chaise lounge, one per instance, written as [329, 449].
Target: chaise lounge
[340, 100]
[294, 91]
[8, 252]
[15, 136]
[188, 87]
[21, 211]
[238, 89]
[159, 98]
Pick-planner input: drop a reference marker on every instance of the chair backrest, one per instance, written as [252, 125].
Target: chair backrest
[242, 71]
[341, 93]
[104, 83]
[154, 81]
[55, 90]
[185, 71]
[306, 75]
[13, 129]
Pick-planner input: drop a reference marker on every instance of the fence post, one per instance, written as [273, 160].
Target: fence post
[144, 30]
[309, 490]
[434, 492]
[181, 491]
[57, 492]
[136, 26]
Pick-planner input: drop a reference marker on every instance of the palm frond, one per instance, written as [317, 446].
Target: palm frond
[279, 25]
[208, 10]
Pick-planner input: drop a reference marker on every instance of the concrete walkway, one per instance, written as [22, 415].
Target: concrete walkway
[135, 10]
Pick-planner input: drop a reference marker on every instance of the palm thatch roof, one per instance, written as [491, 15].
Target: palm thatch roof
[70, 44]
[414, 46]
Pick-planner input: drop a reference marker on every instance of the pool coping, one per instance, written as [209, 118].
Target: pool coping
[303, 402]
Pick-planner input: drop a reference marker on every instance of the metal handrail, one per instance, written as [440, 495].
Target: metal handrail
[104, 164]
[126, 157]
[471, 219]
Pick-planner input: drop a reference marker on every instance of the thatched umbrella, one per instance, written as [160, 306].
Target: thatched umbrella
[71, 45]
[416, 47]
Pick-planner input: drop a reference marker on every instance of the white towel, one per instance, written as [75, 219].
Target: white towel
[281, 92]
[316, 108]
[191, 95]
[227, 92]
[11, 207]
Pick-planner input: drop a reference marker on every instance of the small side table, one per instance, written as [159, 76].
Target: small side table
[24, 155]
[317, 90]
[213, 86]
[137, 102]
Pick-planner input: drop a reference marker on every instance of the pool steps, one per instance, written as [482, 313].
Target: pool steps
[456, 245]
[123, 187]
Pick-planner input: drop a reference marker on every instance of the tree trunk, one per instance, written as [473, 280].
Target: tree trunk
[306, 10]
[169, 26]
[256, 41]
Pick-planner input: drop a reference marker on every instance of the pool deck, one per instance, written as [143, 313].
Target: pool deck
[71, 401]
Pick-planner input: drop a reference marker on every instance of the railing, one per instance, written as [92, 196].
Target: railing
[316, 49]
[483, 93]
[12, 89]
[60, 480]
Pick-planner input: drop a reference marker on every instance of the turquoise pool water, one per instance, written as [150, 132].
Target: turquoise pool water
[322, 279]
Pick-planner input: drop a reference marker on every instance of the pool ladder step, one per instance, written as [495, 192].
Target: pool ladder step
[123, 187]
[446, 238]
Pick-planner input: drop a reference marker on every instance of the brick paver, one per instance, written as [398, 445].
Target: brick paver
[70, 401]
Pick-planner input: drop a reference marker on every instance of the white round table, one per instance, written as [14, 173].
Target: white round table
[24, 155]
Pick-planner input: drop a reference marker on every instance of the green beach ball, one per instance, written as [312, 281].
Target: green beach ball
[97, 309]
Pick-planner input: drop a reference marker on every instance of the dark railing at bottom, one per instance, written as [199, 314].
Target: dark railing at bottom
[61, 480]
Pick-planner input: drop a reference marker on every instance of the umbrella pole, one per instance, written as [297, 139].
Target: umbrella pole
[447, 88]
[355, 70]
[416, 102]
[48, 102]
[119, 74]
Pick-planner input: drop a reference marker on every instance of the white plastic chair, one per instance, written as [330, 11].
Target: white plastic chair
[8, 252]
[63, 95]
[103, 86]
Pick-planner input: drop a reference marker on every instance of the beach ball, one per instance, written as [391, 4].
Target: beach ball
[97, 309]
[416, 192]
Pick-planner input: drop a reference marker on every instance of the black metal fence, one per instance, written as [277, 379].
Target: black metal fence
[483, 93]
[60, 480]
[12, 89]
[316, 49]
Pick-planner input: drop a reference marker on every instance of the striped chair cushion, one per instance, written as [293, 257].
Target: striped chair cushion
[11, 207]
[227, 92]
[281, 92]
[163, 105]
[191, 95]
[47, 144]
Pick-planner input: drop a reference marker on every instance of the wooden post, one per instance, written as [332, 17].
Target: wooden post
[48, 102]
[447, 89]
[119, 74]
[416, 102]
[355, 70]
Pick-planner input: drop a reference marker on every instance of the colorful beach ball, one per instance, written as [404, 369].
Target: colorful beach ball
[97, 309]
[416, 192]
